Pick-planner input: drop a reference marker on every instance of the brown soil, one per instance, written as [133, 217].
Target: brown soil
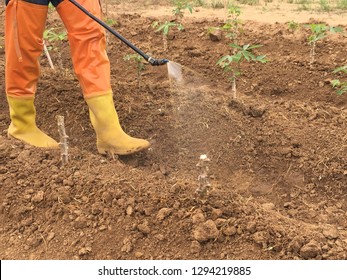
[278, 168]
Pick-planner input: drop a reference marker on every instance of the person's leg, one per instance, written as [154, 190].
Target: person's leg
[24, 26]
[92, 67]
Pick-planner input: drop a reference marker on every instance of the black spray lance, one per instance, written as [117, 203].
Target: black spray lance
[151, 60]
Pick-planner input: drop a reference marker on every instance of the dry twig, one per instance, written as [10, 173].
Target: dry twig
[63, 140]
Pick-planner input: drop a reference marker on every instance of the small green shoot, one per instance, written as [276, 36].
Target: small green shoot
[139, 62]
[217, 4]
[51, 36]
[293, 25]
[342, 69]
[180, 7]
[165, 28]
[318, 32]
[111, 22]
[232, 63]
[340, 86]
[51, 7]
[233, 24]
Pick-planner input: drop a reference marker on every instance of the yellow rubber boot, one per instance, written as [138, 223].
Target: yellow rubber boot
[111, 139]
[23, 126]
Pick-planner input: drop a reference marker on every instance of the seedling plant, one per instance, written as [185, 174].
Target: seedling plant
[340, 86]
[232, 26]
[139, 62]
[180, 7]
[293, 25]
[51, 8]
[52, 37]
[204, 183]
[318, 32]
[217, 4]
[232, 63]
[111, 22]
[165, 28]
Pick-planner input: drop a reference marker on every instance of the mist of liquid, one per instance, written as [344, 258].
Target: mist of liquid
[175, 71]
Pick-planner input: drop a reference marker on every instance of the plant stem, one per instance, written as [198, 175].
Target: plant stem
[233, 88]
[48, 56]
[165, 41]
[139, 77]
[60, 61]
[204, 184]
[312, 54]
[63, 140]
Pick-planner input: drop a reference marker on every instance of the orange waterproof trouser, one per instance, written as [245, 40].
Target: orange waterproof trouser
[88, 47]
[24, 26]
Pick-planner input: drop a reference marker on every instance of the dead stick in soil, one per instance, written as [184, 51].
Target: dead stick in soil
[106, 7]
[63, 140]
[48, 56]
[204, 184]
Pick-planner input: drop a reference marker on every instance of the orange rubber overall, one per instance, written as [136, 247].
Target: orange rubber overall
[24, 26]
[88, 49]
[91, 64]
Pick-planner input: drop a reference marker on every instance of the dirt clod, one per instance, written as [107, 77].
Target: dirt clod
[310, 250]
[164, 213]
[206, 231]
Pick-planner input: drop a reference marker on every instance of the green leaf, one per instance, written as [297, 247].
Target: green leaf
[341, 69]
[235, 46]
[245, 47]
[155, 24]
[237, 73]
[342, 91]
[237, 57]
[261, 58]
[254, 47]
[221, 61]
[320, 36]
[335, 83]
[110, 21]
[247, 55]
[227, 26]
[336, 29]
[180, 27]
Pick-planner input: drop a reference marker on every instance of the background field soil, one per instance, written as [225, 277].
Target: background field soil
[278, 169]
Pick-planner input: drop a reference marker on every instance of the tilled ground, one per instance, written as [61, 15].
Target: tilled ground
[278, 169]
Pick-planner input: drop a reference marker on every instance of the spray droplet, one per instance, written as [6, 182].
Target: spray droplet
[175, 71]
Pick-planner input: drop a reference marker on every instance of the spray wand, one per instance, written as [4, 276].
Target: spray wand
[151, 60]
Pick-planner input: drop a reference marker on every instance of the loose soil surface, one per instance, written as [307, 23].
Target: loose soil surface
[277, 169]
